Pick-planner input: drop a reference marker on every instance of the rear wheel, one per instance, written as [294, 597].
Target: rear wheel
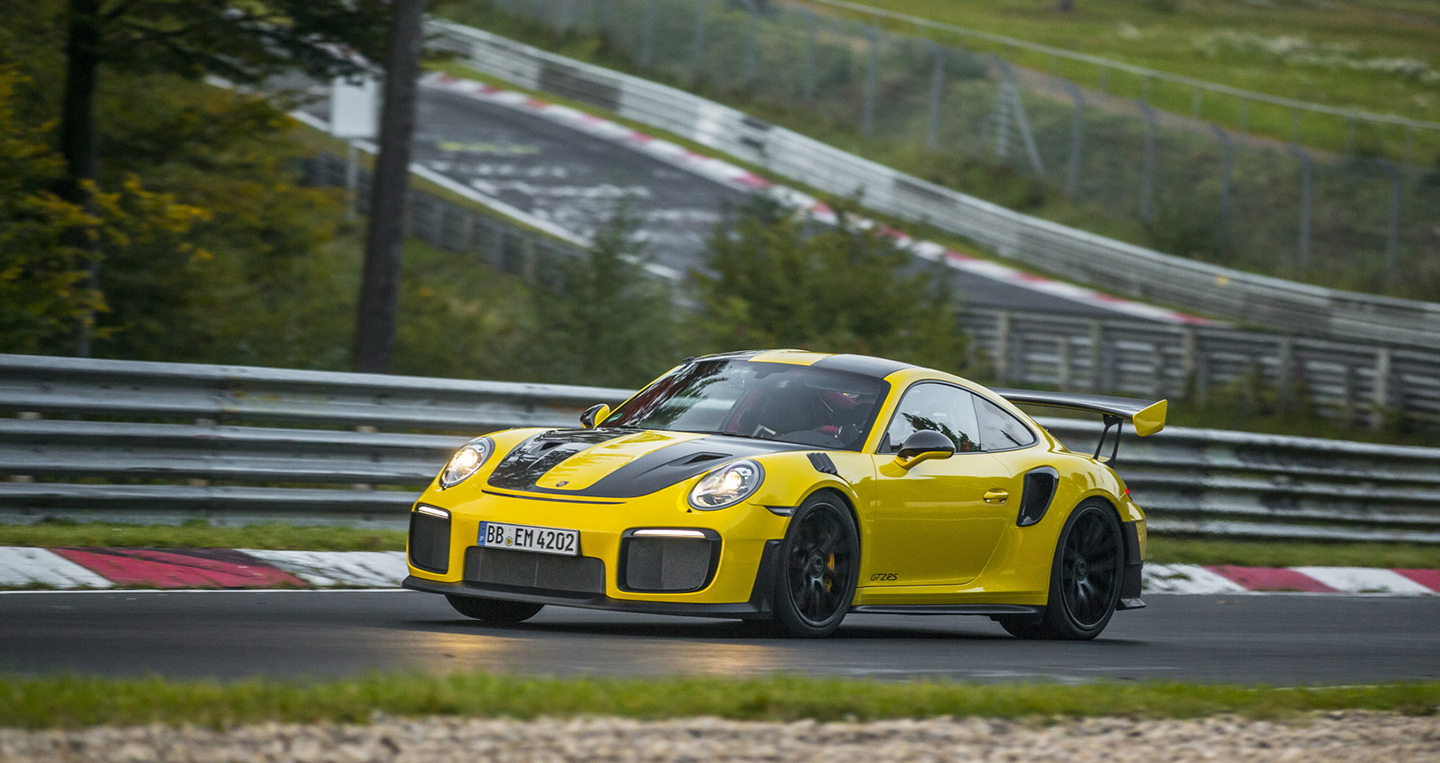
[819, 562]
[1084, 579]
[494, 610]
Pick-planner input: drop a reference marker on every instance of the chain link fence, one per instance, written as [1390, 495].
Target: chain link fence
[1346, 220]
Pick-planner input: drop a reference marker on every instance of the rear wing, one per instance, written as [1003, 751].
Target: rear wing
[1148, 417]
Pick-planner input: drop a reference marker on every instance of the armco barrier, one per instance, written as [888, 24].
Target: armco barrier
[158, 442]
[1067, 252]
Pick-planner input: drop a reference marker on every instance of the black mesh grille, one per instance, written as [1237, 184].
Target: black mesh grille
[667, 564]
[430, 542]
[524, 569]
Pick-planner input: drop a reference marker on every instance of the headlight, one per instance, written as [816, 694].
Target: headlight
[466, 462]
[727, 486]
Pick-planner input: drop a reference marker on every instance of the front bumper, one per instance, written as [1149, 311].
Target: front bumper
[446, 562]
[756, 607]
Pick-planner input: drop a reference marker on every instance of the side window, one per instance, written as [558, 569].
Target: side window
[939, 407]
[999, 430]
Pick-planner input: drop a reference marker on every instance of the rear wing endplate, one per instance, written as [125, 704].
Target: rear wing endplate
[1147, 416]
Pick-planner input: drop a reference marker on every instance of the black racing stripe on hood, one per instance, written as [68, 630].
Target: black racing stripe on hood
[530, 460]
[647, 474]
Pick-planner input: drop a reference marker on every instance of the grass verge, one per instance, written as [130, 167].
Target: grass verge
[199, 534]
[70, 702]
[1163, 549]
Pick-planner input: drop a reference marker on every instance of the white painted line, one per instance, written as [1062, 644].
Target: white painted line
[358, 569]
[21, 567]
[1186, 579]
[1365, 580]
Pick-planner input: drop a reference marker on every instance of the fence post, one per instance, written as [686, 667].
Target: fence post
[1189, 362]
[1227, 164]
[1147, 174]
[808, 82]
[1285, 375]
[751, 42]
[1392, 240]
[872, 82]
[647, 34]
[697, 43]
[937, 94]
[1010, 102]
[1307, 190]
[1077, 138]
[1064, 361]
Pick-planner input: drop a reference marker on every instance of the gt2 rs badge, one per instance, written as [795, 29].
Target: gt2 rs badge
[886, 576]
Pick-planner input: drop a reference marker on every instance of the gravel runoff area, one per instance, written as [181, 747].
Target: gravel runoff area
[1320, 738]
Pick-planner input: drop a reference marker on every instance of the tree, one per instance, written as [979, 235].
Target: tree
[603, 319]
[774, 280]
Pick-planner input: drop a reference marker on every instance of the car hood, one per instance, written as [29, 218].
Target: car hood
[619, 463]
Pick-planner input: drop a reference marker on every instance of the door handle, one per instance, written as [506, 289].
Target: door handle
[996, 495]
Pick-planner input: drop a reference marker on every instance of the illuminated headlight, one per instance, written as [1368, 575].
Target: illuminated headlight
[466, 462]
[727, 486]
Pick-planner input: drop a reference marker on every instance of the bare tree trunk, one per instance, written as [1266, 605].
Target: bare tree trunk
[1064, 6]
[77, 134]
[385, 238]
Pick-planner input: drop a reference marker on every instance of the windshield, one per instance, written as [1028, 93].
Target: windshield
[768, 401]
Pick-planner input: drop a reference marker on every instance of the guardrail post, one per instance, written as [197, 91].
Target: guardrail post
[1307, 189]
[1097, 355]
[1392, 240]
[1147, 173]
[1227, 165]
[1157, 369]
[1077, 138]
[647, 34]
[697, 43]
[937, 94]
[1189, 362]
[1063, 359]
[808, 69]
[1002, 346]
[1382, 402]
[872, 82]
[1285, 375]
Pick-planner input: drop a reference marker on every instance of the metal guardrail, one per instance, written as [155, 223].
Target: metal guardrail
[1359, 384]
[1355, 384]
[1067, 252]
[163, 442]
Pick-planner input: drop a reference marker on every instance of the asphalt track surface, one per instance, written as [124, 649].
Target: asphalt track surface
[1273, 639]
[576, 180]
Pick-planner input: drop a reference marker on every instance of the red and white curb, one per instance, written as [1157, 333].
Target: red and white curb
[98, 568]
[742, 179]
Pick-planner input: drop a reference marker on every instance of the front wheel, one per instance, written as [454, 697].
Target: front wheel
[494, 610]
[819, 565]
[1084, 579]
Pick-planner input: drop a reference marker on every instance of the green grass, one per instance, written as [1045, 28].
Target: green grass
[199, 534]
[1165, 549]
[1266, 47]
[71, 702]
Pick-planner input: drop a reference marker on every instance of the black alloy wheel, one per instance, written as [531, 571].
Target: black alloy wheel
[1084, 581]
[494, 610]
[819, 563]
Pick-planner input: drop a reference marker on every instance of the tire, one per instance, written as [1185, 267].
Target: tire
[819, 564]
[494, 610]
[1085, 579]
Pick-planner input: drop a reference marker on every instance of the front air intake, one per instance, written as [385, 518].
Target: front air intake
[667, 565]
[430, 540]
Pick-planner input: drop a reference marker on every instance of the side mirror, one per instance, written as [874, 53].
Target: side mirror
[594, 415]
[923, 446]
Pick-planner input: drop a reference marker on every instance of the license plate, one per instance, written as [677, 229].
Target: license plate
[544, 540]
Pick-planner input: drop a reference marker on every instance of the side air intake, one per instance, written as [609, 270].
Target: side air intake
[1038, 492]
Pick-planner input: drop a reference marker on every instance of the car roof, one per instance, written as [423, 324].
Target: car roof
[863, 365]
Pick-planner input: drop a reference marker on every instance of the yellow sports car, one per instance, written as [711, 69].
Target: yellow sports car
[790, 488]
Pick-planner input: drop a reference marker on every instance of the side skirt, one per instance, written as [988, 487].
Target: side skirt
[946, 609]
